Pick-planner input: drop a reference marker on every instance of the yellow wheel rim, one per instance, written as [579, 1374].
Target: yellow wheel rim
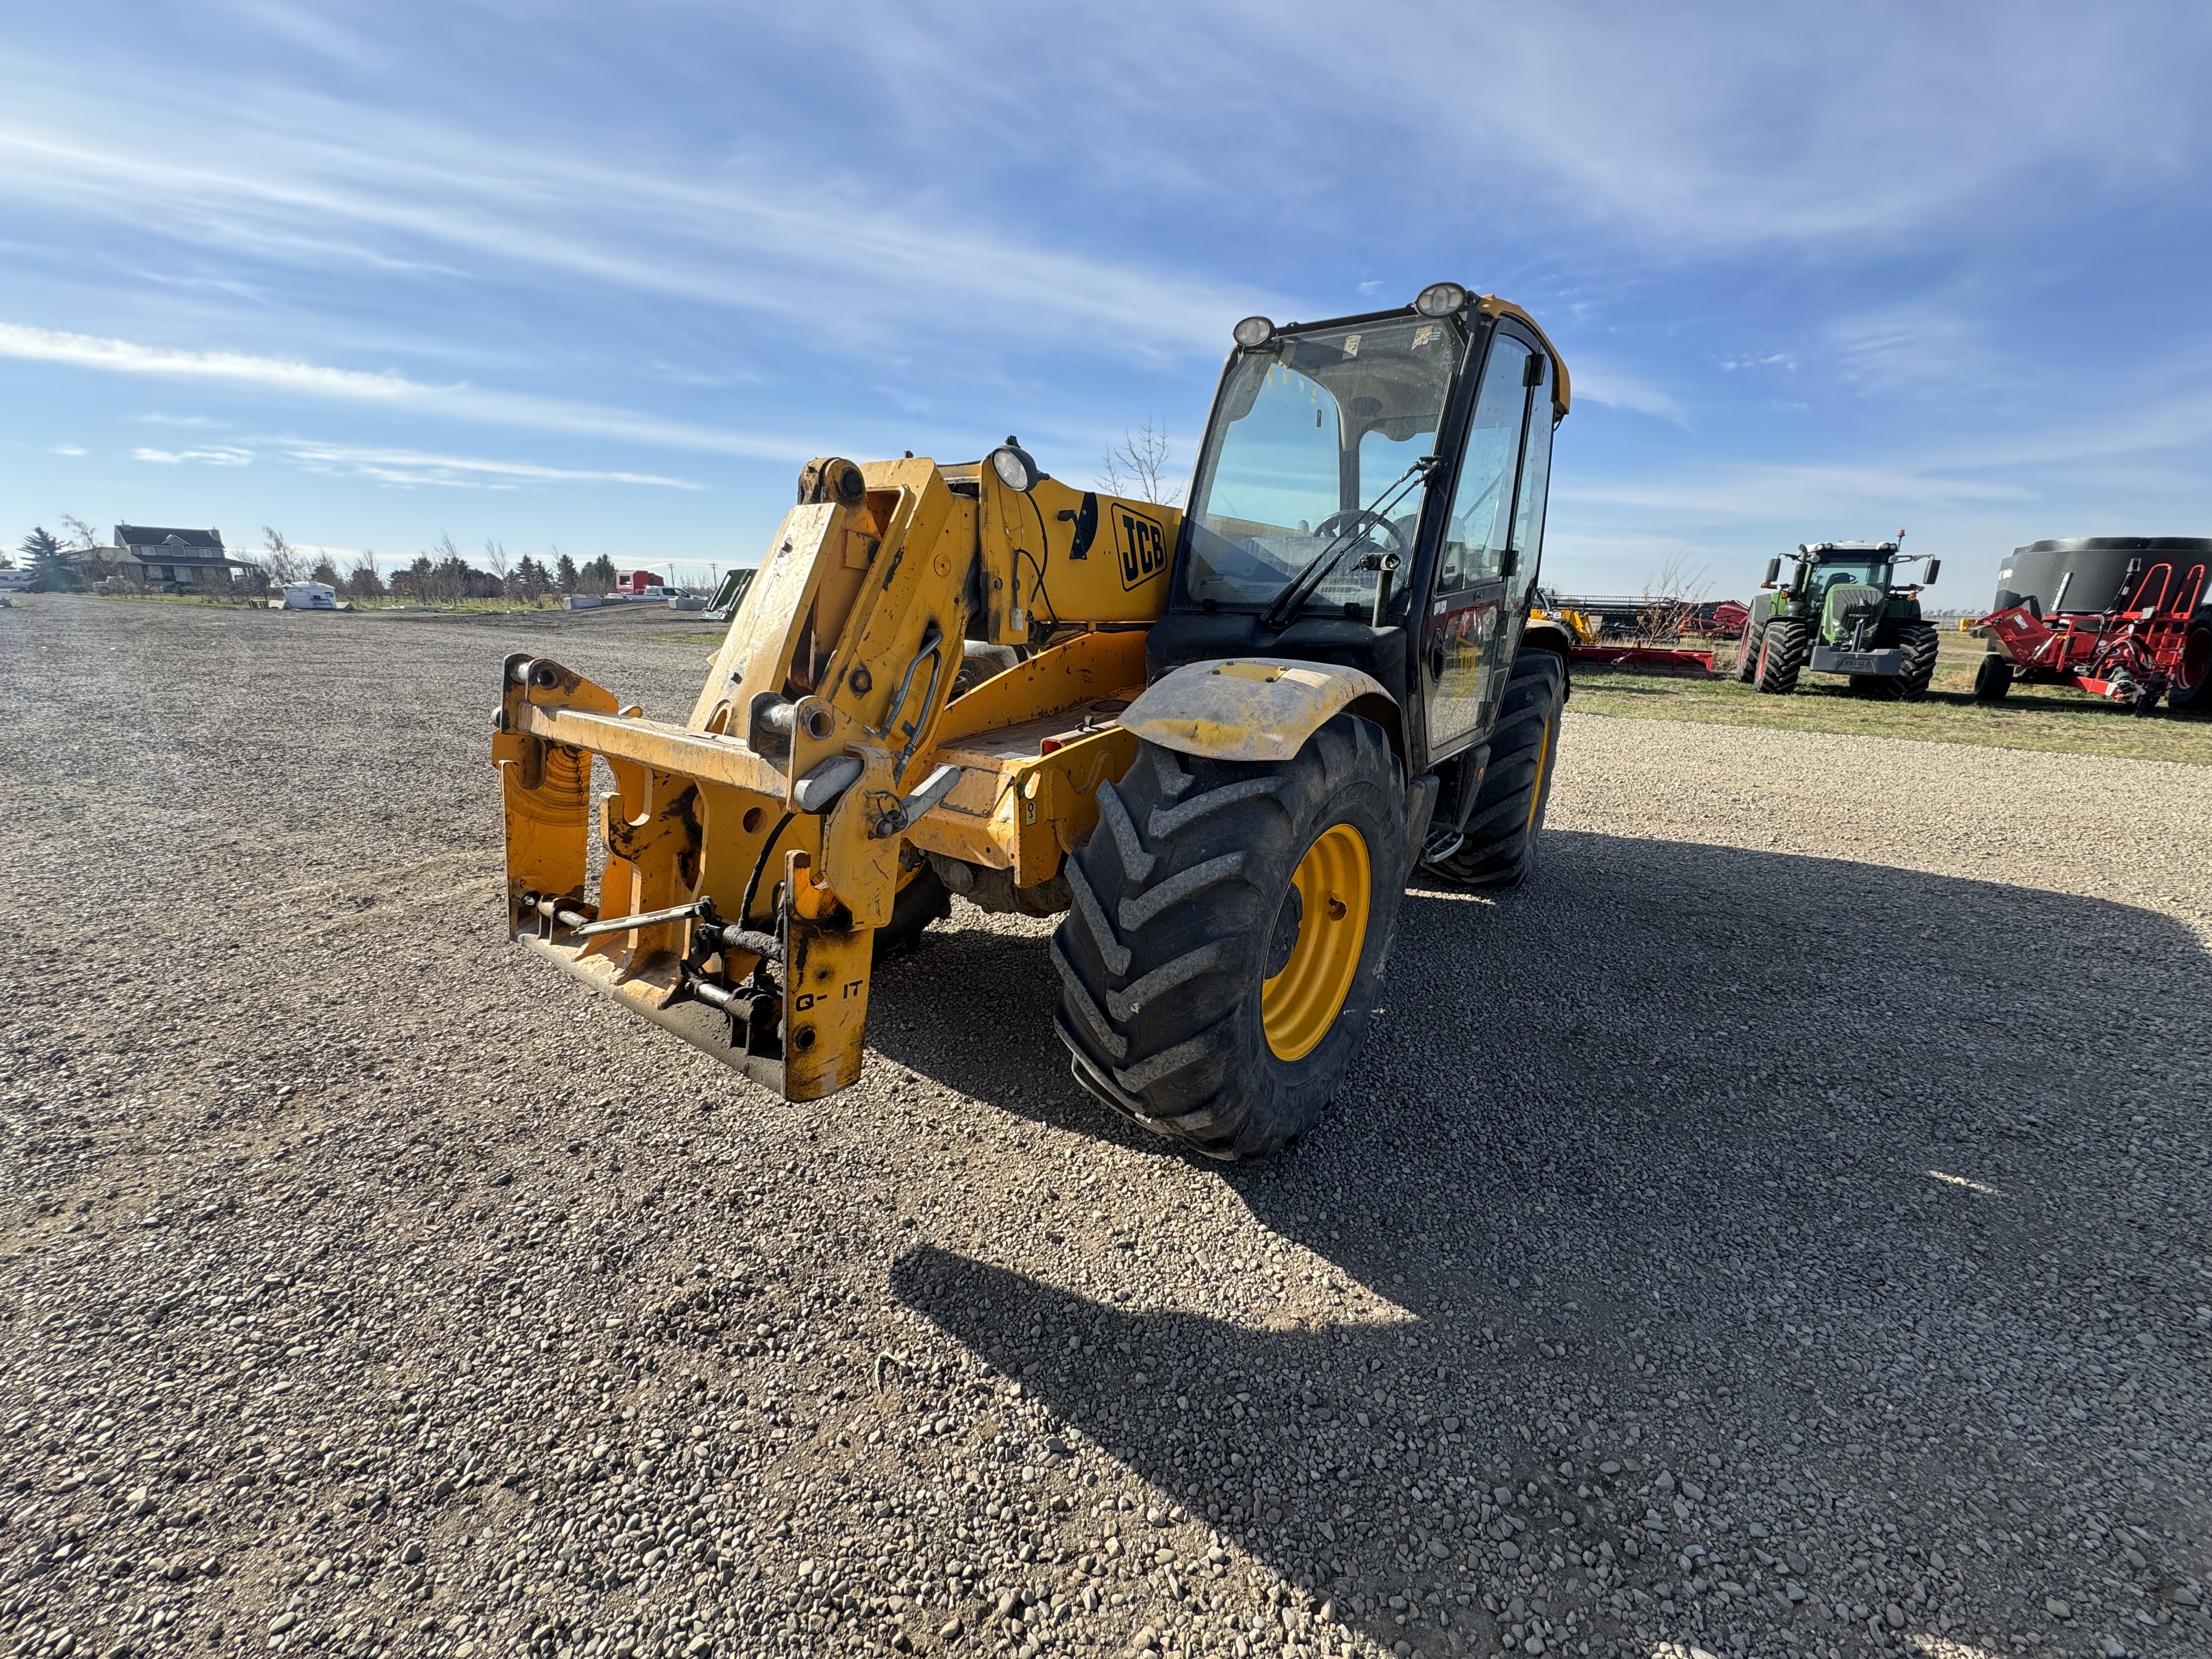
[1543, 762]
[1299, 1004]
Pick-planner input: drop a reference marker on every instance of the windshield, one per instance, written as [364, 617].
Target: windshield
[1316, 427]
[1838, 573]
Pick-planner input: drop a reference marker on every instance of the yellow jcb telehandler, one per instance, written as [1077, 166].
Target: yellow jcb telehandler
[1220, 739]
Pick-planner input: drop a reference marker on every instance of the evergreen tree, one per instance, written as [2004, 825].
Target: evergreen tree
[43, 549]
[530, 580]
[361, 581]
[564, 575]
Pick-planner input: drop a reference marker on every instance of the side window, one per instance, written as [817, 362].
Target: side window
[1535, 485]
[1475, 536]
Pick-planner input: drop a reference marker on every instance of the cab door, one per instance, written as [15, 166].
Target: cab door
[1476, 603]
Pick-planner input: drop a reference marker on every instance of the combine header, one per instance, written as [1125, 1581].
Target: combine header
[1635, 634]
[2125, 619]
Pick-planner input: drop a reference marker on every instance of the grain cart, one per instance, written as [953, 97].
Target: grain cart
[1220, 740]
[1842, 611]
[2123, 618]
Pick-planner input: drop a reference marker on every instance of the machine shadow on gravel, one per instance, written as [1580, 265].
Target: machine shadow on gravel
[1613, 1110]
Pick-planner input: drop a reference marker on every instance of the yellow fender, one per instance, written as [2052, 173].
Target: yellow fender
[1250, 708]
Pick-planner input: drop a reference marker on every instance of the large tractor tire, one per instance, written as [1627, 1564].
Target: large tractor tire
[1225, 949]
[1746, 656]
[1781, 655]
[1500, 848]
[2189, 691]
[1992, 679]
[1921, 644]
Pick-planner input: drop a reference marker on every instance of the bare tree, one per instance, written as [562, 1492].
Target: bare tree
[1672, 595]
[1138, 468]
[362, 581]
[82, 535]
[278, 556]
[496, 557]
[450, 573]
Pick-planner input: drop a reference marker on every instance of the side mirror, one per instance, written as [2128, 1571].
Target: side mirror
[1928, 576]
[1773, 572]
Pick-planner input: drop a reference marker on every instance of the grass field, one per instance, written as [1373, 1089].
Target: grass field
[2052, 718]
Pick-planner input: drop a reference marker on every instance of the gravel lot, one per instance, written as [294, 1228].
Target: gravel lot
[1778, 1229]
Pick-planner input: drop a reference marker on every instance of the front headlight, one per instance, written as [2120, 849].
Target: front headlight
[1440, 300]
[1015, 468]
[1253, 332]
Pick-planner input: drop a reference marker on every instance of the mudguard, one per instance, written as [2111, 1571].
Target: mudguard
[1247, 708]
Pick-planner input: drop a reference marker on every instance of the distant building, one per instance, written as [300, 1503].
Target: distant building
[162, 559]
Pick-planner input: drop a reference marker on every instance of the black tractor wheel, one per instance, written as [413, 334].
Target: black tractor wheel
[1746, 655]
[1500, 847]
[1921, 646]
[1225, 949]
[2189, 691]
[922, 899]
[1921, 643]
[1781, 654]
[1992, 679]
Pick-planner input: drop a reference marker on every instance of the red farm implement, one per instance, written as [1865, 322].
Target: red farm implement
[2126, 620]
[1645, 636]
[1646, 658]
[1718, 618]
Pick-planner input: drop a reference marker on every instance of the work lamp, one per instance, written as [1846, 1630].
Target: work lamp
[1015, 468]
[1440, 300]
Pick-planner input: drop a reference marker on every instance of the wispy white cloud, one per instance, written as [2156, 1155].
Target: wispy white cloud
[1603, 381]
[307, 179]
[125, 356]
[1693, 127]
[1709, 495]
[1926, 343]
[65, 449]
[459, 402]
[218, 455]
[414, 466]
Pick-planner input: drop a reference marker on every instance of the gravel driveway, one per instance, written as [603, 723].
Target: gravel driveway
[1780, 1229]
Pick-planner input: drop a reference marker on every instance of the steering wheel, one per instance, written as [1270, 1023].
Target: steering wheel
[1363, 523]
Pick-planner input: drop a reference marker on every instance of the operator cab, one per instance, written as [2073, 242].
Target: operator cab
[1371, 492]
[1824, 565]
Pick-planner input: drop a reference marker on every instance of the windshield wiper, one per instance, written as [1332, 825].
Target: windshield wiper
[1316, 570]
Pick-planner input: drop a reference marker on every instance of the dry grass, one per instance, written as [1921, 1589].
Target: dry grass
[2049, 718]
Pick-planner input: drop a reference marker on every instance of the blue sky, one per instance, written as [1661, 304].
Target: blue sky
[603, 276]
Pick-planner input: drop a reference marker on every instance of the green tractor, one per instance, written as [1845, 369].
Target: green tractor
[1843, 612]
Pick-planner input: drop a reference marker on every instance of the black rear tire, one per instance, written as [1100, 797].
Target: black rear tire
[1746, 656]
[2189, 691]
[1181, 901]
[1500, 848]
[1781, 655]
[1992, 679]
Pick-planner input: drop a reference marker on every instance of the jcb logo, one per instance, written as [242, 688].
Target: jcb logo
[1144, 548]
